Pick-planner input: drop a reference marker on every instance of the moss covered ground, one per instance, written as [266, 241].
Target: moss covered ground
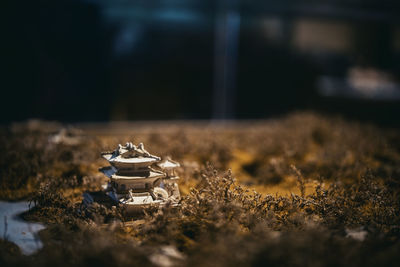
[300, 190]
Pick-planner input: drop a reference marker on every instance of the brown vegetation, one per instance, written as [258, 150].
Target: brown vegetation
[320, 184]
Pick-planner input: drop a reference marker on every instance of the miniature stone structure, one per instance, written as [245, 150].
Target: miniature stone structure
[139, 179]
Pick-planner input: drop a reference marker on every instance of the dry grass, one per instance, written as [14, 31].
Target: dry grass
[318, 181]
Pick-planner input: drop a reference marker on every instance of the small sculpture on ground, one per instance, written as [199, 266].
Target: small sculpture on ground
[139, 179]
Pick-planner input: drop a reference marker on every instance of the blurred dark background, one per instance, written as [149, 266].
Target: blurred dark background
[98, 60]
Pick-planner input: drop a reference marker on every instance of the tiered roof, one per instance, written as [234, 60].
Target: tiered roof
[130, 156]
[131, 162]
[168, 164]
[134, 183]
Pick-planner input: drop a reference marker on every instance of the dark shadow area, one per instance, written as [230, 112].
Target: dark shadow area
[96, 60]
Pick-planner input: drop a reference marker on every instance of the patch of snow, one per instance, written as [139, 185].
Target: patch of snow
[18, 231]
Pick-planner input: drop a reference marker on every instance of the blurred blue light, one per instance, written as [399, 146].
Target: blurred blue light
[152, 15]
[126, 39]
